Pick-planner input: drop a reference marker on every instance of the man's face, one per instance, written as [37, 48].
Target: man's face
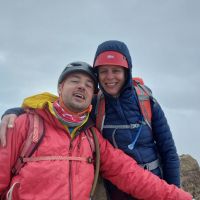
[77, 91]
[111, 78]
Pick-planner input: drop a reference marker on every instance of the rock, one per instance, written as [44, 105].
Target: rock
[190, 175]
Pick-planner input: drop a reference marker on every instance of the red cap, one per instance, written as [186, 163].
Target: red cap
[111, 58]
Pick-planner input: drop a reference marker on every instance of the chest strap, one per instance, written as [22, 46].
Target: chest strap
[129, 126]
[151, 165]
[48, 158]
[126, 126]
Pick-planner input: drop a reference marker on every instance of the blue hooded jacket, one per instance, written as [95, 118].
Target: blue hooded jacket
[150, 145]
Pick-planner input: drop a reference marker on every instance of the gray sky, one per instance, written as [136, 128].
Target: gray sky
[38, 38]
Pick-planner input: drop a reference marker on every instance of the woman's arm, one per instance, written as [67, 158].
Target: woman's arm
[7, 121]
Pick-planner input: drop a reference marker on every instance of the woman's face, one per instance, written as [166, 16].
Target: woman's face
[111, 78]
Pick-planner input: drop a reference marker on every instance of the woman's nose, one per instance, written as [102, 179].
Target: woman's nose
[109, 74]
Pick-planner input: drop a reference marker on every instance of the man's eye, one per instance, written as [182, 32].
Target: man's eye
[89, 85]
[74, 81]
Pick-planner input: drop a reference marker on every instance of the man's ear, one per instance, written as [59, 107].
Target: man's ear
[59, 89]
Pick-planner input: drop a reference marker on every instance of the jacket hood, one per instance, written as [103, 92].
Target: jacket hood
[39, 101]
[114, 45]
[120, 47]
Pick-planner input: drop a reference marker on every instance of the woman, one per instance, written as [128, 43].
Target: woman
[151, 146]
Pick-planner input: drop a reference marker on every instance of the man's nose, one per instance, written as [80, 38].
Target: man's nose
[81, 85]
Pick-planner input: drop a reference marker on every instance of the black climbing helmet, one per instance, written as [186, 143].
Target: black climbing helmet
[79, 67]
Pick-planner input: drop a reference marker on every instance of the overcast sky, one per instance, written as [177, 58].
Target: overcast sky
[38, 38]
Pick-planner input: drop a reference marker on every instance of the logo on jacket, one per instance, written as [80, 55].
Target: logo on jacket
[110, 56]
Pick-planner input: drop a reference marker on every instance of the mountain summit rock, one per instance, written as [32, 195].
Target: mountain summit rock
[190, 175]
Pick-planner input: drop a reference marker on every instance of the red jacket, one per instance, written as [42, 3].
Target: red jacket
[72, 180]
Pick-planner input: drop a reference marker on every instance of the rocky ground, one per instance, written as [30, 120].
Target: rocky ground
[190, 175]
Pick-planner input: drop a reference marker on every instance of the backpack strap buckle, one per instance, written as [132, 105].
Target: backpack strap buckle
[151, 165]
[90, 160]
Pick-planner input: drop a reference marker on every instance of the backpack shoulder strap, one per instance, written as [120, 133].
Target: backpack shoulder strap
[97, 161]
[144, 94]
[100, 111]
[34, 138]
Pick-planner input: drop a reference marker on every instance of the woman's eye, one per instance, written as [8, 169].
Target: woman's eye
[101, 72]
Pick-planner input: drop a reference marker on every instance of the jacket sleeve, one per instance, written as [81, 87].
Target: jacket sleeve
[10, 153]
[124, 172]
[17, 111]
[166, 146]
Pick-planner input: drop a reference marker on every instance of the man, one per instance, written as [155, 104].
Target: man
[62, 166]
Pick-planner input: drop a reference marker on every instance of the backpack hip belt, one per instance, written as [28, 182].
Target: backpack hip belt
[151, 165]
